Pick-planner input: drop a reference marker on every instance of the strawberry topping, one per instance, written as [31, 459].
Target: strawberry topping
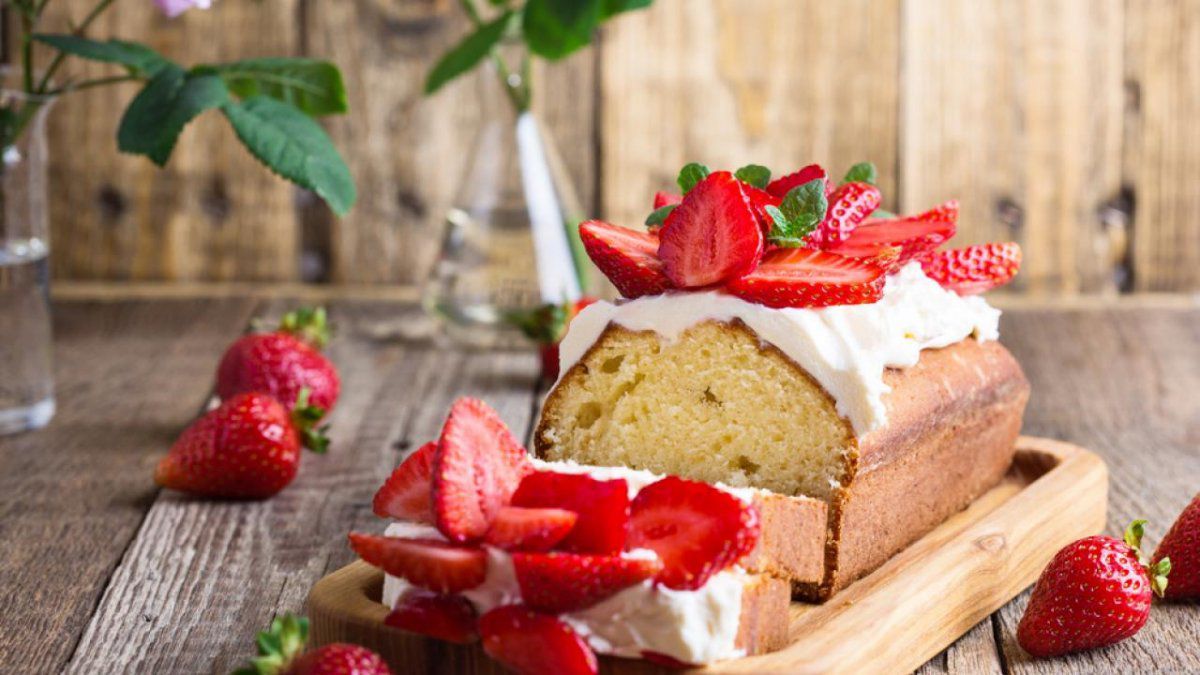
[602, 505]
[712, 236]
[803, 277]
[516, 528]
[974, 269]
[428, 563]
[849, 205]
[444, 617]
[780, 186]
[405, 494]
[628, 258]
[662, 199]
[696, 529]
[477, 466]
[535, 644]
[759, 201]
[913, 235]
[565, 582]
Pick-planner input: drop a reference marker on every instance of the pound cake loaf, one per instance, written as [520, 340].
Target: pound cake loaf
[857, 368]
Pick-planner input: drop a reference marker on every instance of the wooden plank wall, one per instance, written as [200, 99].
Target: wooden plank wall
[1066, 125]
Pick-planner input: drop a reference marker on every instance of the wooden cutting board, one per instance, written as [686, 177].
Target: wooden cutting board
[893, 620]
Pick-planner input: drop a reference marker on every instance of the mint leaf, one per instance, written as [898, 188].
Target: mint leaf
[691, 174]
[863, 172]
[294, 146]
[155, 117]
[802, 210]
[880, 213]
[555, 28]
[139, 60]
[754, 174]
[468, 53]
[612, 7]
[659, 215]
[315, 87]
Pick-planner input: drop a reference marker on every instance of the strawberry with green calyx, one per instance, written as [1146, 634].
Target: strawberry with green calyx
[1181, 547]
[283, 361]
[246, 448]
[545, 326]
[1095, 592]
[281, 652]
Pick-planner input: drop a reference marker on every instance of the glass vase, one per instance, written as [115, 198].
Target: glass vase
[26, 375]
[510, 241]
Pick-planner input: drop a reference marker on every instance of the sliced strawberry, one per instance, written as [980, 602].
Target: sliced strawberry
[535, 644]
[974, 269]
[696, 529]
[805, 277]
[405, 494]
[662, 199]
[712, 236]
[915, 236]
[428, 563]
[565, 582]
[444, 617]
[781, 186]
[666, 661]
[521, 529]
[759, 201]
[477, 466]
[628, 258]
[849, 205]
[602, 505]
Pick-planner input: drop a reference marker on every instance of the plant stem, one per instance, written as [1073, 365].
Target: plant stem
[79, 30]
[88, 84]
[518, 94]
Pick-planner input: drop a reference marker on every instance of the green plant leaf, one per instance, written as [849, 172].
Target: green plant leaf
[863, 172]
[468, 53]
[139, 60]
[880, 213]
[754, 174]
[612, 7]
[314, 87]
[691, 174]
[155, 117]
[659, 215]
[555, 28]
[802, 210]
[294, 146]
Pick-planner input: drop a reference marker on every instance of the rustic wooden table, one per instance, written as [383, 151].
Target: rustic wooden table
[100, 572]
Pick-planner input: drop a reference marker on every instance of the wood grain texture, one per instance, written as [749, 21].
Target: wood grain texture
[1162, 49]
[213, 213]
[73, 495]
[201, 578]
[728, 82]
[900, 615]
[1015, 109]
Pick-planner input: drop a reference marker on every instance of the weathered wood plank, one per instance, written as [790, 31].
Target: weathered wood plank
[1163, 142]
[1015, 109]
[727, 83]
[213, 213]
[72, 496]
[1123, 384]
[409, 153]
[200, 578]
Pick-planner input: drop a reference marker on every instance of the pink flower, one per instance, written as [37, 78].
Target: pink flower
[173, 8]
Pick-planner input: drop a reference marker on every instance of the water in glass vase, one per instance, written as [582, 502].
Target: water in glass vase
[27, 384]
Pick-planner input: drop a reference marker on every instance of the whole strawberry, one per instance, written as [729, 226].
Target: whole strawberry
[1095, 592]
[283, 362]
[1182, 547]
[546, 325]
[247, 448]
[281, 652]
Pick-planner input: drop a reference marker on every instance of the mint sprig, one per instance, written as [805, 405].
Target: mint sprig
[802, 210]
[691, 174]
[659, 216]
[863, 172]
[754, 174]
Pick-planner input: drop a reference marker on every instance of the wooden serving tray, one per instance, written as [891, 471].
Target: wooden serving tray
[894, 620]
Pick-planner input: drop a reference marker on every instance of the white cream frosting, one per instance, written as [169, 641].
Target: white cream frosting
[844, 348]
[697, 626]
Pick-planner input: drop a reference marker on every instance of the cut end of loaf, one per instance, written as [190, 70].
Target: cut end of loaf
[715, 405]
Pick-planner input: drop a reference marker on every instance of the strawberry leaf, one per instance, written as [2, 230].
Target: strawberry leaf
[155, 117]
[691, 174]
[863, 172]
[802, 210]
[754, 174]
[138, 60]
[659, 215]
[315, 87]
[468, 53]
[555, 29]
